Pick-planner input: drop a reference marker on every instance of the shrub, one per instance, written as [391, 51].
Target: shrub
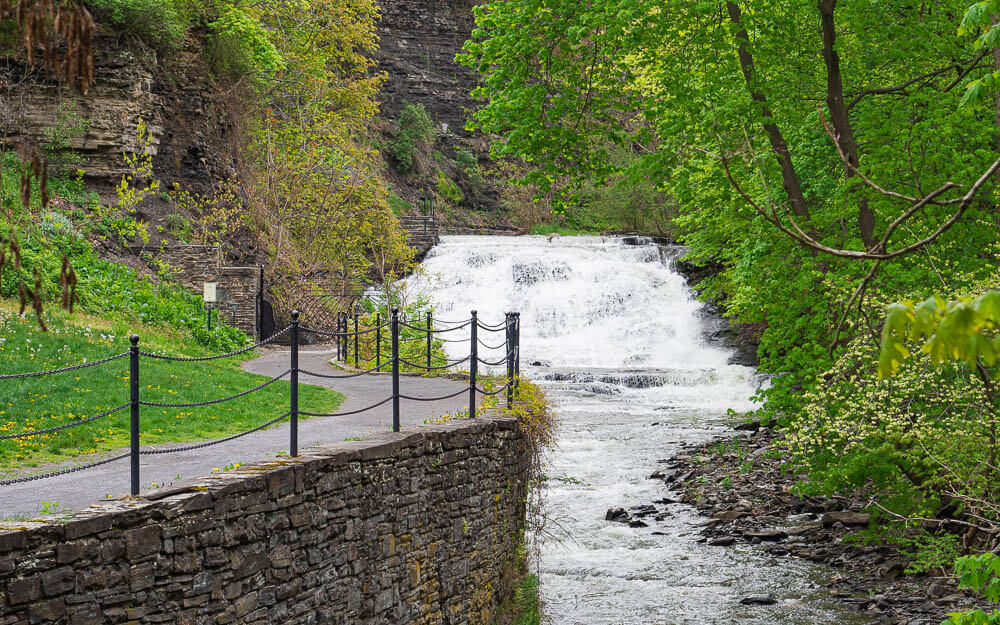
[399, 206]
[159, 22]
[243, 45]
[448, 190]
[980, 573]
[416, 133]
[466, 160]
[178, 226]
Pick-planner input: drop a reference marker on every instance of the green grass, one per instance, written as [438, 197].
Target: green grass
[38, 403]
[527, 607]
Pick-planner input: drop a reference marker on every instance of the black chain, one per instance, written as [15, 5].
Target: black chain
[499, 326]
[492, 364]
[456, 394]
[424, 366]
[406, 325]
[64, 426]
[450, 362]
[446, 322]
[342, 334]
[216, 357]
[502, 328]
[487, 346]
[346, 414]
[198, 404]
[174, 450]
[31, 478]
[496, 392]
[346, 376]
[35, 374]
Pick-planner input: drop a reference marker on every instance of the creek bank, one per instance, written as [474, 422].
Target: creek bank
[747, 497]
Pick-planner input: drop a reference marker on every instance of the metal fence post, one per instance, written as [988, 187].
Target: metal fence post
[428, 341]
[133, 391]
[293, 443]
[345, 337]
[509, 326]
[395, 369]
[517, 349]
[378, 339]
[473, 364]
[340, 336]
[355, 339]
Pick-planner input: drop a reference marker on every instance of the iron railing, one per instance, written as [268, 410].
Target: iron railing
[344, 335]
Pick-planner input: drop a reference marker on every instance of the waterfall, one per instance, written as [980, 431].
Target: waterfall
[613, 335]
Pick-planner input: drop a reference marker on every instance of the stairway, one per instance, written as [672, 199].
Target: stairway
[423, 233]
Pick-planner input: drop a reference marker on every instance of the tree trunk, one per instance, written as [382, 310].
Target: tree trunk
[839, 116]
[789, 177]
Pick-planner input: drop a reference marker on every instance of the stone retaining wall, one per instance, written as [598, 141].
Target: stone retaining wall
[418, 527]
[197, 264]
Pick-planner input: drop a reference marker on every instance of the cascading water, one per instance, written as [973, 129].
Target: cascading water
[613, 335]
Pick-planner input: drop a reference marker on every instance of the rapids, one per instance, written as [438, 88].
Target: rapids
[616, 338]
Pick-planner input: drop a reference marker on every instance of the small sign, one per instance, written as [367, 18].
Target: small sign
[210, 295]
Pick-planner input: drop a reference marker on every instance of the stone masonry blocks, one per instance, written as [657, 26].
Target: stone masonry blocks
[416, 528]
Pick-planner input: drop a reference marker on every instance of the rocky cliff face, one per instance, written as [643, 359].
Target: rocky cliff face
[185, 110]
[177, 103]
[419, 41]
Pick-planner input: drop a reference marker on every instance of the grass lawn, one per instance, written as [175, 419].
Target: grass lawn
[43, 402]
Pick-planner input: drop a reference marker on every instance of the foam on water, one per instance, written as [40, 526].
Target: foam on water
[618, 342]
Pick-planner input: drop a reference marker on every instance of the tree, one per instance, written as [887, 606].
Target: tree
[815, 164]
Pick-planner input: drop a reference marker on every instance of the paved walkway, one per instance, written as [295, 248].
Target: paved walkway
[75, 491]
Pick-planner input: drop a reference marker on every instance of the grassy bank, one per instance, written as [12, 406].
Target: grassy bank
[44, 402]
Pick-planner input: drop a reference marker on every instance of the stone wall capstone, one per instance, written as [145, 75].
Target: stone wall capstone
[420, 527]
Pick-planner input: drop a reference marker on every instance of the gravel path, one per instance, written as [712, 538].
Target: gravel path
[75, 491]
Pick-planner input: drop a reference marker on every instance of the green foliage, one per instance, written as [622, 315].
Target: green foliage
[962, 329]
[981, 574]
[161, 22]
[527, 606]
[466, 160]
[416, 134]
[399, 206]
[588, 96]
[448, 191]
[69, 125]
[178, 226]
[244, 45]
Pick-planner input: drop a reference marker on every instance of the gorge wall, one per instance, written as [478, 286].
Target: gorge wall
[419, 527]
[418, 44]
[183, 109]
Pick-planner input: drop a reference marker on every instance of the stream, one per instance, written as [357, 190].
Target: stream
[614, 336]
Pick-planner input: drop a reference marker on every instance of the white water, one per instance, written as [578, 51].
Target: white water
[618, 340]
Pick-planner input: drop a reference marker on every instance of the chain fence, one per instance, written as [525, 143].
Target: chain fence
[344, 337]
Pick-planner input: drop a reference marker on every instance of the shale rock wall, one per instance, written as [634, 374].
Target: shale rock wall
[177, 102]
[418, 42]
[418, 527]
